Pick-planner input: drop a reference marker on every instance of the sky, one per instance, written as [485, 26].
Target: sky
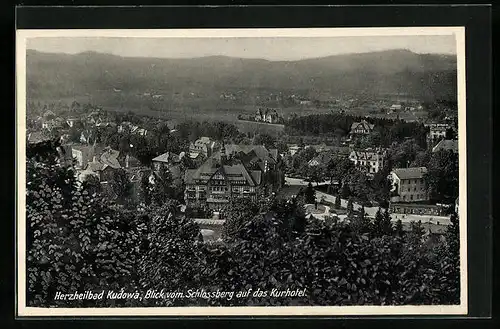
[270, 48]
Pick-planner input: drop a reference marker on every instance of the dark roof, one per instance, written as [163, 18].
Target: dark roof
[232, 172]
[260, 150]
[410, 173]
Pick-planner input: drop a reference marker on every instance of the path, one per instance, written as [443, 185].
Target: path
[371, 211]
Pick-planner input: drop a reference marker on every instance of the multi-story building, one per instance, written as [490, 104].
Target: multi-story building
[369, 160]
[165, 160]
[437, 131]
[204, 146]
[267, 115]
[215, 183]
[408, 185]
[234, 171]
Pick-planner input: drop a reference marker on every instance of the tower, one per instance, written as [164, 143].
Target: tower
[223, 155]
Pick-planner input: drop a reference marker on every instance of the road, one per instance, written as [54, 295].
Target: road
[301, 182]
[371, 211]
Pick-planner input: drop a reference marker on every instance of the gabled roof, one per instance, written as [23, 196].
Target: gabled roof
[366, 155]
[260, 150]
[364, 124]
[37, 136]
[232, 172]
[94, 166]
[110, 158]
[322, 158]
[167, 157]
[446, 145]
[410, 173]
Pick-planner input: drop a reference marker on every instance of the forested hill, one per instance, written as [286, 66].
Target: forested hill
[396, 71]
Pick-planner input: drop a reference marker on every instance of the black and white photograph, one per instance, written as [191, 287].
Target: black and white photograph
[241, 172]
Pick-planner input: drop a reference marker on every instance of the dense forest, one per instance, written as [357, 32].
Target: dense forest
[385, 132]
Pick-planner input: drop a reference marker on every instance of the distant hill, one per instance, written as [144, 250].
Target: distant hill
[426, 76]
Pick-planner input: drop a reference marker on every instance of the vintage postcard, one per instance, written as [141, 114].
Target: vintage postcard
[270, 172]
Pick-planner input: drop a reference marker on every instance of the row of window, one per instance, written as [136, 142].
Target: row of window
[412, 181]
[414, 197]
[410, 189]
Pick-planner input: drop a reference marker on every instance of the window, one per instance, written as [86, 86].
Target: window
[411, 196]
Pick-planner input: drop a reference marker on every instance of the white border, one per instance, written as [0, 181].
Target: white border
[23, 310]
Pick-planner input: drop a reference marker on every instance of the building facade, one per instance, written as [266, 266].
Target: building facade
[235, 171]
[408, 185]
[215, 184]
[204, 146]
[371, 161]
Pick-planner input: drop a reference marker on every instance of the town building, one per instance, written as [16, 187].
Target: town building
[83, 154]
[169, 161]
[165, 160]
[293, 148]
[215, 183]
[395, 108]
[369, 160]
[234, 171]
[204, 146]
[267, 115]
[321, 159]
[408, 184]
[361, 128]
[437, 131]
[446, 145]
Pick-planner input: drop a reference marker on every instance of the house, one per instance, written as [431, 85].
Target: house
[165, 160]
[446, 145]
[169, 161]
[234, 171]
[37, 137]
[204, 146]
[52, 124]
[436, 131]
[48, 115]
[138, 131]
[395, 108]
[215, 184]
[293, 148]
[321, 159]
[105, 165]
[267, 115]
[83, 154]
[124, 126]
[371, 160]
[408, 184]
[361, 128]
